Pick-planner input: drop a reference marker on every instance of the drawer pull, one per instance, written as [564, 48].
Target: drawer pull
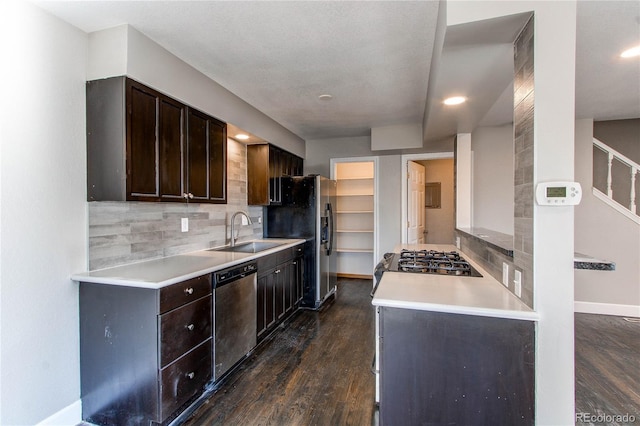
[190, 327]
[295, 263]
[191, 375]
[188, 290]
[277, 271]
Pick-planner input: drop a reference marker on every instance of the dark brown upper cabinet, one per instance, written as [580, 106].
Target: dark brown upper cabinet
[266, 165]
[145, 146]
[206, 158]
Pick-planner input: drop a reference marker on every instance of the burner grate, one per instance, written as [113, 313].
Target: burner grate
[434, 262]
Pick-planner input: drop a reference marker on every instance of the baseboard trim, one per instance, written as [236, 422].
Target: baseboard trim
[68, 416]
[607, 309]
[357, 276]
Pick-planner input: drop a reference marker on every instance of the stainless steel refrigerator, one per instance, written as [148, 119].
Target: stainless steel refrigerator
[308, 211]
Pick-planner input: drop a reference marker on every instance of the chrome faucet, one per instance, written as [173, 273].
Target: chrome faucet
[233, 226]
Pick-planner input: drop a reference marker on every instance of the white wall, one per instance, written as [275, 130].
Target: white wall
[554, 50]
[396, 137]
[464, 181]
[43, 212]
[603, 233]
[493, 178]
[146, 61]
[390, 202]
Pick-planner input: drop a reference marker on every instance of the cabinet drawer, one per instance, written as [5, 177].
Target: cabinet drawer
[284, 255]
[184, 378]
[184, 328]
[184, 292]
[265, 263]
[298, 250]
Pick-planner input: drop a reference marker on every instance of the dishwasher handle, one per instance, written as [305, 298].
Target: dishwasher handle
[235, 273]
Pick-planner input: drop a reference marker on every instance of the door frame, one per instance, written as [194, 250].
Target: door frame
[405, 159]
[376, 190]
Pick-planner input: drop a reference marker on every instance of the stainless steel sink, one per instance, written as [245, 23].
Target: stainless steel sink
[252, 247]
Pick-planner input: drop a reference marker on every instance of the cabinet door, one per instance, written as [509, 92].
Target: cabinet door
[258, 171]
[261, 325]
[275, 175]
[280, 286]
[170, 131]
[218, 161]
[298, 166]
[142, 144]
[198, 154]
[290, 287]
[268, 283]
[298, 279]
[206, 158]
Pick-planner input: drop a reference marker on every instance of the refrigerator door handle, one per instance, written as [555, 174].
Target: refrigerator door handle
[329, 245]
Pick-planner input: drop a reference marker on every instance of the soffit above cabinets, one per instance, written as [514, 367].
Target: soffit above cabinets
[374, 58]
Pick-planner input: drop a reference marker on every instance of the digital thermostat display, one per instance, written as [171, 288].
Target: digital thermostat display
[558, 193]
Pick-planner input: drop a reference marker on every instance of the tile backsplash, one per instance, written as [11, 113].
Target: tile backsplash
[127, 232]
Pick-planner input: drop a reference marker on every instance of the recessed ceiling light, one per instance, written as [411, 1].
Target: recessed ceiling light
[630, 53]
[242, 136]
[455, 100]
[325, 97]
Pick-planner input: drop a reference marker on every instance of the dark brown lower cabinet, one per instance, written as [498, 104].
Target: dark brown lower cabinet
[450, 369]
[144, 353]
[280, 280]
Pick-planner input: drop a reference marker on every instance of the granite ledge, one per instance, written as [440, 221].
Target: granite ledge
[582, 261]
[497, 240]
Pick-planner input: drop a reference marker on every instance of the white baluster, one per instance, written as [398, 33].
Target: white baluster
[609, 162]
[632, 205]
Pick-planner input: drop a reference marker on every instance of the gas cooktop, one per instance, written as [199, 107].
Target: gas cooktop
[432, 262]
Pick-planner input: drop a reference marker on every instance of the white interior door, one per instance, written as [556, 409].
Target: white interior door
[415, 203]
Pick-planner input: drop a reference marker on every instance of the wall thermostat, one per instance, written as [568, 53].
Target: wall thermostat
[558, 193]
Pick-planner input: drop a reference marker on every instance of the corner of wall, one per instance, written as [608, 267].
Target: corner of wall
[108, 53]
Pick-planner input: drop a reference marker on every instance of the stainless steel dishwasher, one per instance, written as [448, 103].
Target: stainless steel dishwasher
[235, 315]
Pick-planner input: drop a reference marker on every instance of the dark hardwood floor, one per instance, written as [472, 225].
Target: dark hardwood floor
[315, 371]
[607, 364]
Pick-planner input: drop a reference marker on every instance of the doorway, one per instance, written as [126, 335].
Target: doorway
[356, 215]
[435, 210]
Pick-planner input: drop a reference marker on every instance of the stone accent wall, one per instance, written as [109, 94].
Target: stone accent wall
[491, 256]
[490, 249]
[523, 116]
[127, 232]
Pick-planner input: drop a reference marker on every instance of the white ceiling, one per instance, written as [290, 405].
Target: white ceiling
[374, 58]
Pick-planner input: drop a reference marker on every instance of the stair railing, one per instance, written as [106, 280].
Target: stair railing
[633, 169]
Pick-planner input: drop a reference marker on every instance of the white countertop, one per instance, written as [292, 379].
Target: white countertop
[450, 294]
[158, 273]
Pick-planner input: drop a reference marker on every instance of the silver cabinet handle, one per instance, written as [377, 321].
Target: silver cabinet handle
[190, 327]
[190, 195]
[277, 271]
[188, 290]
[191, 375]
[295, 263]
[187, 195]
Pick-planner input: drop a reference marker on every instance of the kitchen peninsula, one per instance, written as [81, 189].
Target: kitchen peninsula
[453, 349]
